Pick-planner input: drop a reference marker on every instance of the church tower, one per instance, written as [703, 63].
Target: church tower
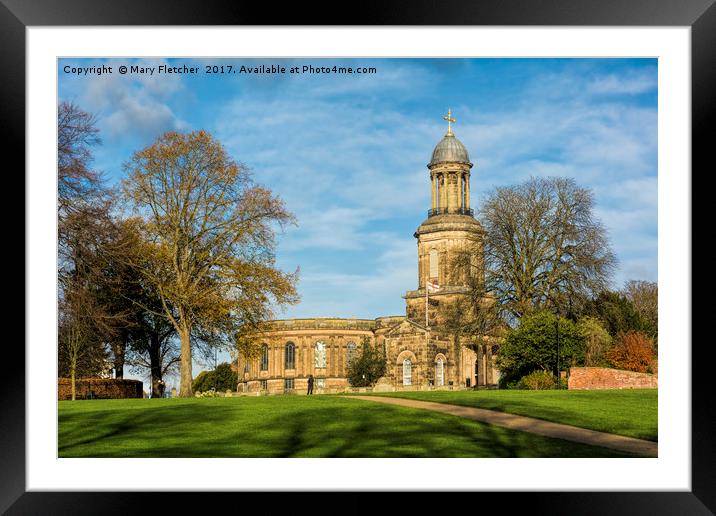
[449, 230]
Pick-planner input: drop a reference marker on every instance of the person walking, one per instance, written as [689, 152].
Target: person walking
[310, 384]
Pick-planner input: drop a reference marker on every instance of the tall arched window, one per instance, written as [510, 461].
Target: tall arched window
[407, 372]
[440, 372]
[350, 352]
[320, 354]
[264, 357]
[290, 355]
[433, 263]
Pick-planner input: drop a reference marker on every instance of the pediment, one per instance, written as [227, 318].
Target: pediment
[406, 327]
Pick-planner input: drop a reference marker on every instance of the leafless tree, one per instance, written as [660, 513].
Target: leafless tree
[544, 248]
[644, 295]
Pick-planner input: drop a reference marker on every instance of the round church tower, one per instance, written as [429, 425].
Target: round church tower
[449, 232]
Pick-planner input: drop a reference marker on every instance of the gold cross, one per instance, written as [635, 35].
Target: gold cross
[449, 119]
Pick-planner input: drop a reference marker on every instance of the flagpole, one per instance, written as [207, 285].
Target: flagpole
[426, 302]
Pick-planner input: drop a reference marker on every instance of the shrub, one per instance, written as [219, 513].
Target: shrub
[211, 393]
[537, 381]
[633, 351]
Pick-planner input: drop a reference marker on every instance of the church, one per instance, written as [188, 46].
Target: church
[421, 354]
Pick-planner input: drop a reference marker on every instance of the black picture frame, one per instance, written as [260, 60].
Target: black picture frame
[700, 15]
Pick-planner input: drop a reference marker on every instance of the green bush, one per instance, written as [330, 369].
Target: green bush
[533, 347]
[537, 381]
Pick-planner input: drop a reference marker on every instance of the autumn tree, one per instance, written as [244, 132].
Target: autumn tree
[544, 248]
[633, 351]
[210, 239]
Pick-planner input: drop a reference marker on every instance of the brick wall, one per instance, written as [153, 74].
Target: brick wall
[101, 387]
[604, 378]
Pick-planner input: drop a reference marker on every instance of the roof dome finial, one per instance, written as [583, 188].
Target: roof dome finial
[450, 149]
[449, 119]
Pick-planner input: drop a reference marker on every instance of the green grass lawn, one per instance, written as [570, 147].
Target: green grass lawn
[288, 426]
[630, 412]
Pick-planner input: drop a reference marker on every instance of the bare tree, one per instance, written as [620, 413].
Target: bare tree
[209, 236]
[644, 295]
[81, 195]
[81, 348]
[474, 319]
[543, 246]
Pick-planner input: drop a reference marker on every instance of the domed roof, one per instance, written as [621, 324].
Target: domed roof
[449, 149]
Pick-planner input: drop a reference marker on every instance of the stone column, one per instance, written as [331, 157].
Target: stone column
[443, 191]
[467, 190]
[460, 197]
[433, 185]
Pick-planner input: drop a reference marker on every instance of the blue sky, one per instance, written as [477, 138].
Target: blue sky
[348, 153]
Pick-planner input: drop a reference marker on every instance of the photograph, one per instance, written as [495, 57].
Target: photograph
[356, 257]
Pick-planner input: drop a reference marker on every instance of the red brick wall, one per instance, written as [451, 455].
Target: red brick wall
[101, 387]
[604, 378]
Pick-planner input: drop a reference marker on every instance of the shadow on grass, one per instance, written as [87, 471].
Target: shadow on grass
[625, 414]
[295, 427]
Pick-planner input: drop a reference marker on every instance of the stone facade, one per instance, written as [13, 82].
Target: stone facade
[419, 352]
[604, 378]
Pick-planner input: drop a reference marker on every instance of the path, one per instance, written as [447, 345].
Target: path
[530, 424]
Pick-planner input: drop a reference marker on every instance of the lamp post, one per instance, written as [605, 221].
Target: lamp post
[559, 384]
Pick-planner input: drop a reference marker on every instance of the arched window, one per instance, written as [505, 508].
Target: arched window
[264, 357]
[407, 372]
[350, 352]
[433, 263]
[320, 354]
[440, 372]
[290, 355]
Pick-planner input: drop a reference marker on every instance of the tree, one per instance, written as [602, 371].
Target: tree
[644, 295]
[81, 351]
[368, 367]
[209, 236]
[615, 311]
[474, 319]
[79, 187]
[543, 245]
[221, 379]
[633, 351]
[596, 341]
[87, 322]
[533, 346]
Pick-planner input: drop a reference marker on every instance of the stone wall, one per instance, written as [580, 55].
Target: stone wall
[604, 378]
[114, 388]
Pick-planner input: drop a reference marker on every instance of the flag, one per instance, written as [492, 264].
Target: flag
[433, 286]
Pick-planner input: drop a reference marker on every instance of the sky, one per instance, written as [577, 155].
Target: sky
[348, 152]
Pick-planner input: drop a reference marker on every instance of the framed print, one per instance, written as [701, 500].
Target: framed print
[359, 132]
